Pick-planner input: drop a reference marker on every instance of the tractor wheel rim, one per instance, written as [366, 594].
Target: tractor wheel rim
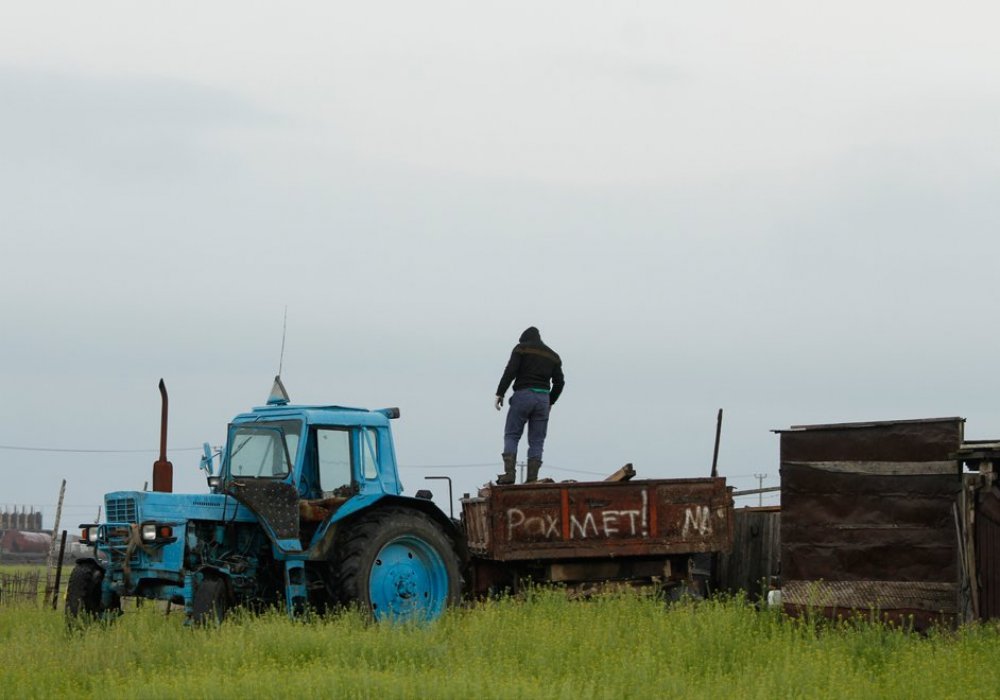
[408, 581]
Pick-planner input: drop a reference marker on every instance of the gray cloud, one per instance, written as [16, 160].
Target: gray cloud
[115, 128]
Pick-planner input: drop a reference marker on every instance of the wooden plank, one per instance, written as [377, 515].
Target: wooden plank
[883, 468]
[623, 474]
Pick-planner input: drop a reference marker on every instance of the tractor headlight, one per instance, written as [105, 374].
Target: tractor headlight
[156, 532]
[88, 534]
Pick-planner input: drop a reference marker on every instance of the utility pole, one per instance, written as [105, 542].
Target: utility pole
[760, 484]
[523, 465]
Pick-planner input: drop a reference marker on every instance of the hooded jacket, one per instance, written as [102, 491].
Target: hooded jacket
[532, 365]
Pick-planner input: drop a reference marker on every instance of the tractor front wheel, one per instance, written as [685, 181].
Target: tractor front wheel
[211, 601]
[83, 594]
[397, 564]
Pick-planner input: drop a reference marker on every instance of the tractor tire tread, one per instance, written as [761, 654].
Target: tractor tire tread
[83, 592]
[211, 601]
[356, 545]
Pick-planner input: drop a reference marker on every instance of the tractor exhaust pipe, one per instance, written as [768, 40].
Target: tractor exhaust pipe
[163, 471]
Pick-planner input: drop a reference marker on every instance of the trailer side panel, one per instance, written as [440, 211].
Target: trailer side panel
[581, 520]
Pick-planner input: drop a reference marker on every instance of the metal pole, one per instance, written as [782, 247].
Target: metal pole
[751, 492]
[451, 501]
[55, 591]
[715, 453]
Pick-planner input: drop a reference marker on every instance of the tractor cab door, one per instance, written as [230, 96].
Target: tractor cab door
[260, 460]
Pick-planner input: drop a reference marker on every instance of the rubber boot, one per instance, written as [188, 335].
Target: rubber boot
[509, 475]
[533, 466]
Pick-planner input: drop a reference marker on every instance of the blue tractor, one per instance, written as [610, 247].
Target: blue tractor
[306, 512]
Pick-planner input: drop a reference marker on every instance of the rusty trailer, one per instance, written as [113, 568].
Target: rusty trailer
[655, 530]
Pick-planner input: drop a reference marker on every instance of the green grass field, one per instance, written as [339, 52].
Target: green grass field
[544, 646]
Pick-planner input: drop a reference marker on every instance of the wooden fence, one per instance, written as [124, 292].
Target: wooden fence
[756, 553]
[19, 587]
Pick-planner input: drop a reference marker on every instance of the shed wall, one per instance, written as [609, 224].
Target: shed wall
[871, 503]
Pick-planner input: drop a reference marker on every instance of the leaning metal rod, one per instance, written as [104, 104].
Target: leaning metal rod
[715, 454]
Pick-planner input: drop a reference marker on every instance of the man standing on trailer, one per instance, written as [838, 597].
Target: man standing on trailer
[532, 366]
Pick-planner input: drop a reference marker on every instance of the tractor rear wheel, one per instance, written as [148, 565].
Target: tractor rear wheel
[83, 593]
[397, 564]
[211, 601]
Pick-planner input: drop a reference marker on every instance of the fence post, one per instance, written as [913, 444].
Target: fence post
[55, 592]
[52, 546]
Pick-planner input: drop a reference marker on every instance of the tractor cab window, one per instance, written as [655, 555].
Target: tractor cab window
[369, 452]
[333, 454]
[264, 449]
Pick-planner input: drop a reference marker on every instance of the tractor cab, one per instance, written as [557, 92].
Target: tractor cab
[302, 468]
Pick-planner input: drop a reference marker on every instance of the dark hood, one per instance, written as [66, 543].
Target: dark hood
[531, 335]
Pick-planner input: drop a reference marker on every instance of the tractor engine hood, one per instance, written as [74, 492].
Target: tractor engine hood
[143, 506]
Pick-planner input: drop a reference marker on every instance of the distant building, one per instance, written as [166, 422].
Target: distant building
[22, 539]
[21, 519]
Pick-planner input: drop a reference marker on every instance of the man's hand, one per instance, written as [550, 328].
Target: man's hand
[498, 402]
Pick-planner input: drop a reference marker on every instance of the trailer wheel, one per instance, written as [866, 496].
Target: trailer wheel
[83, 594]
[397, 564]
[211, 601]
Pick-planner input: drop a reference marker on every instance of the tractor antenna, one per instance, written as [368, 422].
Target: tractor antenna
[284, 327]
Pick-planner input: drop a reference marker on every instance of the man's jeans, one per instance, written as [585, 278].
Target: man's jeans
[531, 407]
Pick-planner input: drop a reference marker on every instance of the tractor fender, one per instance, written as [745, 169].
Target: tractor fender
[323, 549]
[428, 507]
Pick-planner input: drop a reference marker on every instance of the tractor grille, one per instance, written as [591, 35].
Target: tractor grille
[121, 510]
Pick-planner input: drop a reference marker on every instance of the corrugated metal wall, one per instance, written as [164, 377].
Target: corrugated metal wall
[868, 517]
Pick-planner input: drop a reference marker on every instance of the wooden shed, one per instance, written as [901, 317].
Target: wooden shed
[871, 519]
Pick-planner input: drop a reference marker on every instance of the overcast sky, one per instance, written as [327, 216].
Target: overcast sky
[784, 209]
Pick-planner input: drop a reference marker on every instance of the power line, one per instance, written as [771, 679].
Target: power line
[48, 505]
[447, 466]
[494, 464]
[476, 465]
[82, 451]
[575, 471]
